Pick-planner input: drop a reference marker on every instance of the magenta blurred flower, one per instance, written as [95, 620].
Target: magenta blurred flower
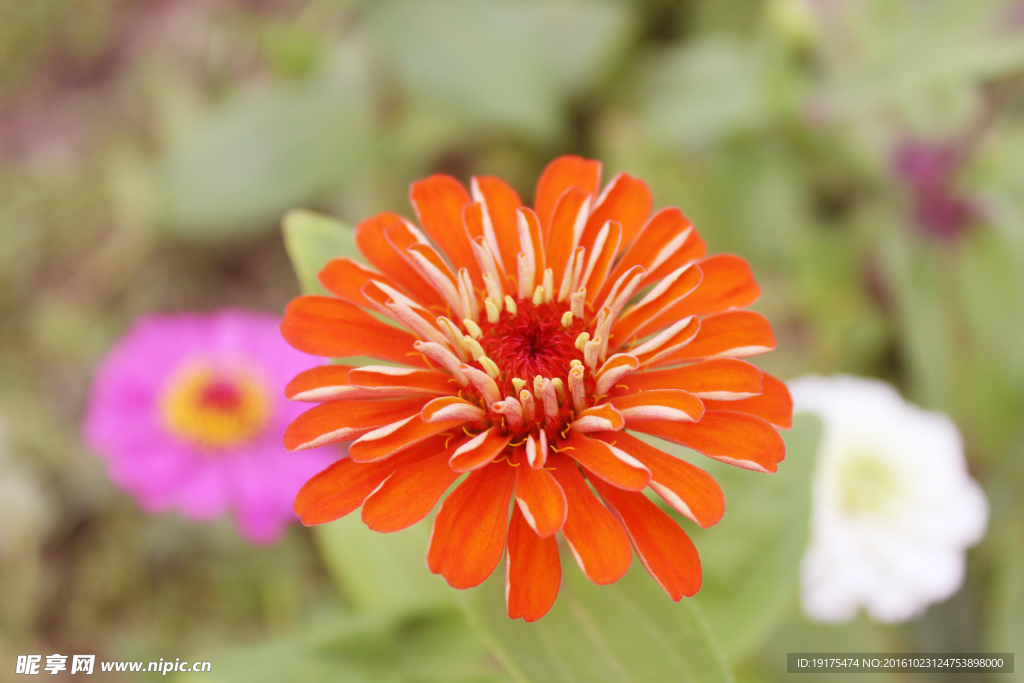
[928, 170]
[188, 412]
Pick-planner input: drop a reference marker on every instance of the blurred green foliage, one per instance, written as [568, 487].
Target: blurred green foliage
[866, 157]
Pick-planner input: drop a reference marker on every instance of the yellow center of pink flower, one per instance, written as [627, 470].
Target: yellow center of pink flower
[215, 410]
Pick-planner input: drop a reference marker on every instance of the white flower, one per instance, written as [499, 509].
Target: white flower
[893, 508]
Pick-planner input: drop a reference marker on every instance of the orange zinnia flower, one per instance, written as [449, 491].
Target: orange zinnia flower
[524, 360]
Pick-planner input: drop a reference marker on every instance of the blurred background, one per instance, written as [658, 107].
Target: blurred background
[866, 156]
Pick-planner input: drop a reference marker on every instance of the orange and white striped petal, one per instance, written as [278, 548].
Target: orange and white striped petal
[691, 491]
[596, 538]
[600, 418]
[656, 310]
[663, 238]
[439, 201]
[325, 326]
[728, 283]
[540, 498]
[613, 371]
[479, 451]
[599, 258]
[341, 488]
[618, 468]
[388, 440]
[533, 571]
[674, 405]
[664, 548]
[325, 383]
[560, 175]
[734, 438]
[774, 405]
[386, 380]
[667, 343]
[568, 220]
[626, 200]
[451, 408]
[500, 203]
[410, 493]
[340, 421]
[734, 334]
[724, 379]
[468, 535]
[382, 240]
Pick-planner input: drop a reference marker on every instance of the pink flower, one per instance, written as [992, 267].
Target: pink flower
[188, 412]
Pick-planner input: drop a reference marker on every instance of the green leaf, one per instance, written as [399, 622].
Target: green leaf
[751, 558]
[498, 62]
[381, 572]
[259, 154]
[628, 631]
[431, 647]
[313, 239]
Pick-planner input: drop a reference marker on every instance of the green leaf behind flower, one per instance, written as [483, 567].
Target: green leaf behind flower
[313, 239]
[628, 631]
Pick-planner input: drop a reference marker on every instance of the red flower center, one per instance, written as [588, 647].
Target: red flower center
[221, 395]
[533, 342]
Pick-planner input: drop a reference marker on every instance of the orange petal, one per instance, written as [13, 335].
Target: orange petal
[531, 243]
[595, 536]
[600, 256]
[341, 421]
[734, 438]
[608, 462]
[598, 418]
[673, 405]
[383, 240]
[324, 383]
[668, 342]
[690, 490]
[385, 441]
[667, 233]
[773, 405]
[410, 493]
[468, 536]
[567, 221]
[533, 571]
[636, 322]
[561, 174]
[540, 498]
[385, 380]
[717, 379]
[451, 408]
[342, 487]
[476, 219]
[479, 451]
[325, 326]
[626, 200]
[439, 201]
[344, 277]
[500, 203]
[732, 334]
[728, 283]
[661, 544]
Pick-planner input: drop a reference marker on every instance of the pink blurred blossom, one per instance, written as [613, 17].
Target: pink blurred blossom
[165, 466]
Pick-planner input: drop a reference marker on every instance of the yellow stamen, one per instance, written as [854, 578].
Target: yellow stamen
[567, 319]
[492, 310]
[510, 304]
[582, 340]
[473, 329]
[489, 366]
